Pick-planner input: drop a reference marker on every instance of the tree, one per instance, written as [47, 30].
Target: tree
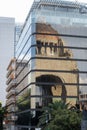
[59, 116]
[23, 104]
[2, 114]
[23, 101]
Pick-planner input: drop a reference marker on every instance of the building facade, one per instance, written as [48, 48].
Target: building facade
[12, 91]
[53, 43]
[10, 97]
[9, 35]
[7, 26]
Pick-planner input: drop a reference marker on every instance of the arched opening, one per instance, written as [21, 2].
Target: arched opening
[50, 85]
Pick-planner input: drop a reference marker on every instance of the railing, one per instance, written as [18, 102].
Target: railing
[11, 92]
[9, 71]
[12, 76]
[12, 84]
[10, 101]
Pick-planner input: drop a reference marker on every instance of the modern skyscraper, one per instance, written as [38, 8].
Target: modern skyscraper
[7, 26]
[53, 43]
[9, 35]
[18, 29]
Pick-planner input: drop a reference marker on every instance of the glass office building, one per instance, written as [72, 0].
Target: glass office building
[53, 43]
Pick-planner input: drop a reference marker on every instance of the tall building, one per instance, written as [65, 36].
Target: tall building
[17, 31]
[7, 26]
[9, 35]
[53, 43]
[12, 90]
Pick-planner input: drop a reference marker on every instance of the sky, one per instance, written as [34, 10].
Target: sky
[18, 9]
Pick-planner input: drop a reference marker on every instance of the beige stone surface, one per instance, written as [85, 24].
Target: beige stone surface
[51, 52]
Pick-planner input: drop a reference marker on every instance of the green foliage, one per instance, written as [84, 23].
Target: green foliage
[23, 101]
[60, 117]
[23, 104]
[2, 114]
[64, 120]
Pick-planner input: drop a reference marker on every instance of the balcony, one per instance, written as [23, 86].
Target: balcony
[12, 76]
[7, 118]
[10, 71]
[11, 85]
[10, 101]
[12, 63]
[11, 93]
[11, 118]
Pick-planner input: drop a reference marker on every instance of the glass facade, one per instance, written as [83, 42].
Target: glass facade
[52, 48]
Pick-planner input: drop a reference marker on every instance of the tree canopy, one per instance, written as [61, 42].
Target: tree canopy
[2, 114]
[59, 116]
